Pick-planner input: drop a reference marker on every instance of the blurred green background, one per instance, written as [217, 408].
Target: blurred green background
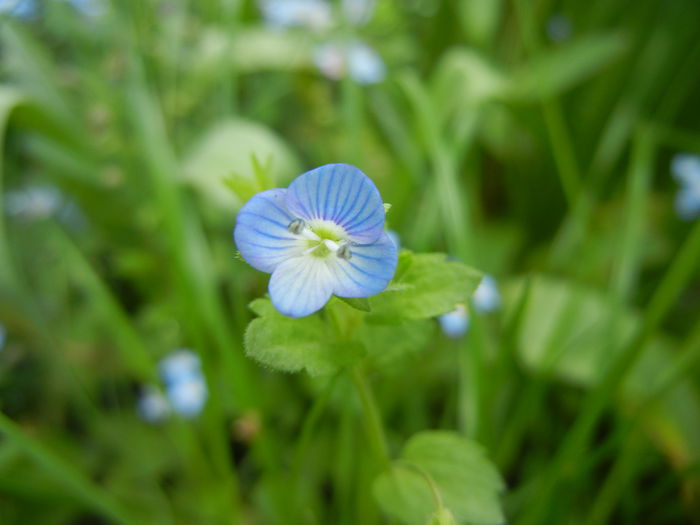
[531, 139]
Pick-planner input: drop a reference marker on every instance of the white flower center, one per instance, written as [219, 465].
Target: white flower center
[324, 238]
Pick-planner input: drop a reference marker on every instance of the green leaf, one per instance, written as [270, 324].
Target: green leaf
[359, 303]
[425, 285]
[442, 516]
[565, 330]
[292, 345]
[465, 481]
[235, 159]
[386, 343]
[559, 69]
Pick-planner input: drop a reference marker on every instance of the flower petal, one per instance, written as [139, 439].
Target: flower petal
[367, 272]
[300, 286]
[340, 193]
[687, 204]
[686, 168]
[261, 233]
[456, 323]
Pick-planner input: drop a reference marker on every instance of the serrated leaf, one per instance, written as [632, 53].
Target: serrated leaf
[554, 71]
[425, 285]
[467, 482]
[292, 345]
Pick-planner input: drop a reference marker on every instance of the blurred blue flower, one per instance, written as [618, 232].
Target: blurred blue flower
[179, 364]
[686, 170]
[358, 12]
[559, 28]
[487, 298]
[185, 385]
[33, 202]
[313, 14]
[153, 407]
[456, 323]
[19, 8]
[89, 8]
[323, 235]
[188, 396]
[3, 336]
[361, 62]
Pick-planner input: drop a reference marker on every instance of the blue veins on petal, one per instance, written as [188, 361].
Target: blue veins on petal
[323, 236]
[262, 233]
[300, 286]
[342, 194]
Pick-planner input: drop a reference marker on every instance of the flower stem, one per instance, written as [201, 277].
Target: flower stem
[373, 422]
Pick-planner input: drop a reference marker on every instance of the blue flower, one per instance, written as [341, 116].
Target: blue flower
[313, 14]
[19, 8]
[559, 28]
[456, 323]
[153, 407]
[185, 385]
[358, 12]
[322, 236]
[686, 170]
[3, 336]
[486, 298]
[357, 59]
[188, 396]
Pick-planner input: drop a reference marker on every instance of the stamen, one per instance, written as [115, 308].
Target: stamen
[297, 226]
[344, 252]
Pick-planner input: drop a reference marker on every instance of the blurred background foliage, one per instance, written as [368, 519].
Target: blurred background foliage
[530, 139]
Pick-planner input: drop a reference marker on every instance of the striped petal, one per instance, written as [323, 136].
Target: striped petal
[367, 272]
[301, 285]
[340, 193]
[261, 233]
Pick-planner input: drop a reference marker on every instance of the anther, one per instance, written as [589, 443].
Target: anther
[297, 226]
[344, 252]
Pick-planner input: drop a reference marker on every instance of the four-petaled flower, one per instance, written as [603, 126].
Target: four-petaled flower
[323, 235]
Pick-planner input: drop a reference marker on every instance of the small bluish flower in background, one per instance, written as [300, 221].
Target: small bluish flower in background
[395, 238]
[33, 202]
[153, 407]
[559, 28]
[18, 8]
[89, 8]
[312, 14]
[3, 336]
[188, 396]
[357, 59]
[322, 236]
[486, 298]
[179, 364]
[185, 385]
[686, 170]
[39, 202]
[358, 12]
[456, 323]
